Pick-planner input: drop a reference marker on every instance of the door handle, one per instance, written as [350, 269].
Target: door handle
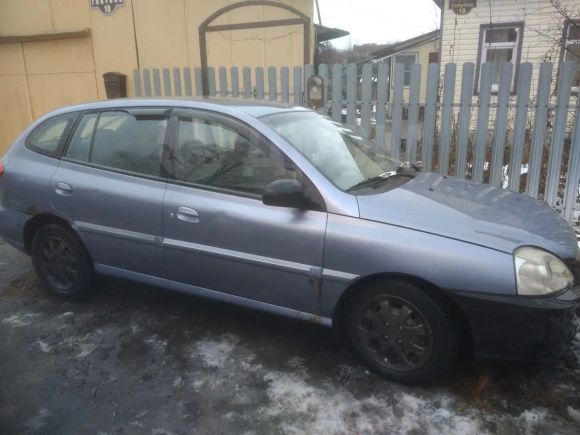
[63, 188]
[187, 214]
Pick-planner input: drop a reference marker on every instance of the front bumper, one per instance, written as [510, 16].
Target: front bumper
[519, 328]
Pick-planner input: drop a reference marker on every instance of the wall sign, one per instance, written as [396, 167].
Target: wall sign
[462, 7]
[107, 7]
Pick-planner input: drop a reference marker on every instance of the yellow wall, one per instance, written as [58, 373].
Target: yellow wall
[422, 52]
[39, 76]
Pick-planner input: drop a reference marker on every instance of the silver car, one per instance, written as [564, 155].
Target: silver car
[280, 209]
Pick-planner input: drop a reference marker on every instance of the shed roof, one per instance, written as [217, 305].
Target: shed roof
[404, 45]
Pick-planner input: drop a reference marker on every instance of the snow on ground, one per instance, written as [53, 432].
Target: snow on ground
[303, 403]
[216, 353]
[306, 408]
[189, 365]
[20, 320]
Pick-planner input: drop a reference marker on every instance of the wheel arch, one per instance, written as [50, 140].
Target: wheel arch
[38, 221]
[459, 321]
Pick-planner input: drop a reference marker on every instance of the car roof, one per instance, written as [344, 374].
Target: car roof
[231, 106]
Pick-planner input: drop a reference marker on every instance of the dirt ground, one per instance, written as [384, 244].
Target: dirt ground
[139, 360]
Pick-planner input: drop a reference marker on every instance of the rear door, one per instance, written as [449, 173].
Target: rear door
[218, 233]
[110, 183]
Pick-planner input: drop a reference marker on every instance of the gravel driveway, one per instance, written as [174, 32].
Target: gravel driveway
[137, 360]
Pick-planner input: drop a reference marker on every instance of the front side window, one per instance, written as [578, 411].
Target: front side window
[498, 44]
[407, 60]
[49, 136]
[571, 48]
[217, 154]
[130, 141]
[340, 154]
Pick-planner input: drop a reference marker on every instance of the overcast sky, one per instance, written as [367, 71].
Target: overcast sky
[380, 21]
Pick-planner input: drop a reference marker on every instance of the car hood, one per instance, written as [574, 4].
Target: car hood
[475, 213]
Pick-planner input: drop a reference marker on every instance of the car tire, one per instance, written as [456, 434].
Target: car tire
[401, 332]
[62, 263]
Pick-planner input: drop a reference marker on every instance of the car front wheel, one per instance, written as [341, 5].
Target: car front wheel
[62, 264]
[401, 332]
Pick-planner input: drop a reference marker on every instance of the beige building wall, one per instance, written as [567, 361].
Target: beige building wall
[179, 29]
[15, 109]
[460, 33]
[38, 75]
[422, 51]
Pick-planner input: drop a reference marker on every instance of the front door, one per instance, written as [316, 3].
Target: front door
[218, 233]
[110, 185]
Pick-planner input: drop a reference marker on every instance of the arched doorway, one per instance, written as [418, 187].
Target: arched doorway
[207, 27]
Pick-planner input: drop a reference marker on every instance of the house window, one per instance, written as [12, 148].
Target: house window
[434, 57]
[571, 47]
[500, 43]
[407, 60]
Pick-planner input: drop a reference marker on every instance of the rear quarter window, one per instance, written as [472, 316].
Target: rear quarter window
[127, 140]
[48, 138]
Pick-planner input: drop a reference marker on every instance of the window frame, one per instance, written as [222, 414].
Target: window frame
[564, 46]
[415, 54]
[57, 153]
[246, 130]
[517, 45]
[163, 173]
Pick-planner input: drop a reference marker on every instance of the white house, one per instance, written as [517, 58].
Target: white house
[509, 30]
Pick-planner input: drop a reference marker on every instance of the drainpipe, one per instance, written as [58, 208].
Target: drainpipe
[441, 33]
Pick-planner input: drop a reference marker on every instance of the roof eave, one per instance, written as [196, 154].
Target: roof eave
[324, 33]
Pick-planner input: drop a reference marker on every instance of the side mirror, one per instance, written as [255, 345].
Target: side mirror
[284, 193]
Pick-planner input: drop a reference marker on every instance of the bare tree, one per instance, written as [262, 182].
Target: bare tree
[554, 32]
[329, 54]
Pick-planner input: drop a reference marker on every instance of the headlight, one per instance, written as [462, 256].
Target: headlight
[540, 273]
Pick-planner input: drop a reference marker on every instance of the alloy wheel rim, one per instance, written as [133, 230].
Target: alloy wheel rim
[58, 263]
[395, 333]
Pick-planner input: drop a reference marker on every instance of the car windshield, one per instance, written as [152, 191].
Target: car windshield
[342, 155]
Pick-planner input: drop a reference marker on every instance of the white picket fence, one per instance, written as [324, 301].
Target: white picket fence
[468, 138]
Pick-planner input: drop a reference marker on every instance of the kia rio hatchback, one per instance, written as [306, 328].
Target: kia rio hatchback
[280, 209]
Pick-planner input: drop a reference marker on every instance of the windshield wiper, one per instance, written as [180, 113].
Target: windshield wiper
[405, 169]
[372, 180]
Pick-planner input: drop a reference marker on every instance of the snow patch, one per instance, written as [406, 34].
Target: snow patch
[531, 418]
[20, 320]
[86, 349]
[305, 408]
[574, 414]
[216, 353]
[156, 343]
[44, 347]
[197, 384]
[38, 421]
[158, 431]
[178, 382]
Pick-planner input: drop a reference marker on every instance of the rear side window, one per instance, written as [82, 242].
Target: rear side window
[49, 136]
[120, 140]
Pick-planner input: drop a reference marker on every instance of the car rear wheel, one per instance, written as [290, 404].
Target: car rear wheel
[62, 264]
[401, 332]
